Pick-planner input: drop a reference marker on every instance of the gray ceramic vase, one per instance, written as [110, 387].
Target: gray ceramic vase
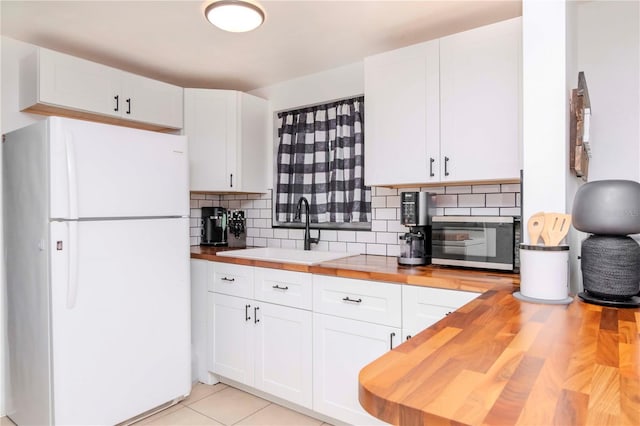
[607, 207]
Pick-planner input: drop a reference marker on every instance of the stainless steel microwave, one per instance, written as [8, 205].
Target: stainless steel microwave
[486, 242]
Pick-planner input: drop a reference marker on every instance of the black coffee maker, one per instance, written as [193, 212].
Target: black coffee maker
[214, 226]
[416, 210]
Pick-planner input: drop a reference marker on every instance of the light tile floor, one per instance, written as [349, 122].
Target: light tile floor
[222, 405]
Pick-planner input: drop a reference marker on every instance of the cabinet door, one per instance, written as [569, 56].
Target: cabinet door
[480, 102]
[424, 306]
[75, 83]
[231, 343]
[210, 123]
[402, 116]
[150, 101]
[341, 348]
[283, 352]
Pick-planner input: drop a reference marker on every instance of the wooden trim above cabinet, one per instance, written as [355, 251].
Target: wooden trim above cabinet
[50, 110]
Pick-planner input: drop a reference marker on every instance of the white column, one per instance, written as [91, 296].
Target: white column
[545, 107]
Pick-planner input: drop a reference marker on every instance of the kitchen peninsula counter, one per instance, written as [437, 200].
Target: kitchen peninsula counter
[496, 360]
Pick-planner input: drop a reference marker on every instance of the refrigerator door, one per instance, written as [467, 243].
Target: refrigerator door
[104, 171]
[120, 317]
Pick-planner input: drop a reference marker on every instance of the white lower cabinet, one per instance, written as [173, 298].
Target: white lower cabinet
[424, 306]
[342, 347]
[199, 370]
[284, 352]
[231, 337]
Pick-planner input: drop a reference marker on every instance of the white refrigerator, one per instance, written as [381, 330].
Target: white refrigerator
[97, 259]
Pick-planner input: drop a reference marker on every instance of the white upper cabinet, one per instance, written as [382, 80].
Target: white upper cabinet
[447, 110]
[227, 140]
[402, 116]
[480, 102]
[53, 83]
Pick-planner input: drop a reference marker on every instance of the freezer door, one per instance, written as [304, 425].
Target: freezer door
[103, 171]
[120, 318]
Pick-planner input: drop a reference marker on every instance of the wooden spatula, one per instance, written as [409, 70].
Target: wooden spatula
[535, 227]
[557, 226]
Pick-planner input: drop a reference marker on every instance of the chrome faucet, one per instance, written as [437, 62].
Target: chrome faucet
[307, 235]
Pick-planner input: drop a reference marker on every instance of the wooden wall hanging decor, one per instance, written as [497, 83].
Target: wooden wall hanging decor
[580, 115]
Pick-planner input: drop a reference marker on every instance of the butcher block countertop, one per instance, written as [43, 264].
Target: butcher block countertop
[496, 360]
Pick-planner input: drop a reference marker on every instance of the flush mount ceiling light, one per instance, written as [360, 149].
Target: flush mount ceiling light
[236, 16]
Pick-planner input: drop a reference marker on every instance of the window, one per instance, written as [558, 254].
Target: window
[320, 157]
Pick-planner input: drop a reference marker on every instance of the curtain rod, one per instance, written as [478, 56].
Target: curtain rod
[309, 108]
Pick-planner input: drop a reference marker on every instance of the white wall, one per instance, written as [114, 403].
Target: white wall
[609, 54]
[336, 83]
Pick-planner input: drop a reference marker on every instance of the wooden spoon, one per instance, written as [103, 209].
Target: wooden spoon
[558, 228]
[535, 227]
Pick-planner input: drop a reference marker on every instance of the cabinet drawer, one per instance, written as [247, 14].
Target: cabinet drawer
[227, 278]
[283, 287]
[424, 306]
[370, 301]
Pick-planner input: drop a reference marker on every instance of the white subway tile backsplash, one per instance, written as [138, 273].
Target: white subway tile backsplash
[457, 211]
[378, 225]
[259, 204]
[273, 242]
[485, 200]
[485, 211]
[471, 200]
[347, 236]
[393, 250]
[337, 246]
[393, 201]
[356, 248]
[377, 202]
[466, 189]
[329, 235]
[280, 233]
[260, 242]
[366, 237]
[387, 237]
[266, 232]
[380, 249]
[385, 214]
[510, 187]
[501, 200]
[510, 211]
[447, 200]
[485, 189]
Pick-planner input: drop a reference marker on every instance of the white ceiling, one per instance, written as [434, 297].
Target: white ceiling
[171, 40]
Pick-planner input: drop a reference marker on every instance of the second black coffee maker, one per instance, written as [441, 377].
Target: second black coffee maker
[416, 210]
[214, 226]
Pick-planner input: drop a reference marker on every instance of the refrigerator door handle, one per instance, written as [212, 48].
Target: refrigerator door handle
[72, 176]
[72, 256]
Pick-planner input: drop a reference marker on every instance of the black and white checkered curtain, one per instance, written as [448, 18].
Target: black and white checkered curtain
[321, 157]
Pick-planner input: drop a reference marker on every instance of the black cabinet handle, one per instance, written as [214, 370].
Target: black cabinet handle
[447, 314]
[431, 161]
[280, 288]
[408, 337]
[117, 98]
[255, 315]
[246, 312]
[391, 336]
[227, 279]
[446, 163]
[348, 299]
[128, 106]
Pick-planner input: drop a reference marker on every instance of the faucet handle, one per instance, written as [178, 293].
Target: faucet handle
[314, 240]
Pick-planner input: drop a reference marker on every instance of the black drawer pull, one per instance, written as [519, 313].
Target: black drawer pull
[128, 106]
[348, 299]
[408, 337]
[391, 336]
[246, 312]
[117, 99]
[280, 288]
[227, 279]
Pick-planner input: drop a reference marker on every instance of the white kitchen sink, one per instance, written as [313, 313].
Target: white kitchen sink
[273, 254]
